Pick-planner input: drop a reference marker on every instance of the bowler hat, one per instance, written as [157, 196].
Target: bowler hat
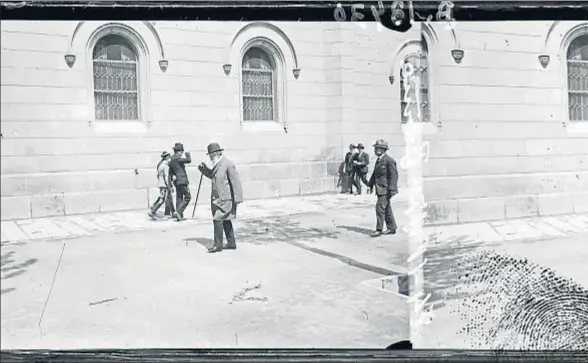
[360, 146]
[164, 154]
[178, 146]
[381, 144]
[214, 147]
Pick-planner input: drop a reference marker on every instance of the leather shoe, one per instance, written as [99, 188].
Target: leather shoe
[214, 250]
[230, 247]
[376, 234]
[390, 231]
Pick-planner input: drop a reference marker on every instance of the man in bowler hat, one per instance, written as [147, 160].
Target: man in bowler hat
[385, 179]
[177, 168]
[226, 194]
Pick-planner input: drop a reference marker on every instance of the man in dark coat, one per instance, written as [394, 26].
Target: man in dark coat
[361, 167]
[350, 157]
[169, 203]
[385, 179]
[226, 194]
[177, 169]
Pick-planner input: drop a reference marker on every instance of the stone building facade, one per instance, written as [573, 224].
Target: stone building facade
[87, 108]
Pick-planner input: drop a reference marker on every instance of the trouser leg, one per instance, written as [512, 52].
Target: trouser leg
[218, 234]
[380, 212]
[230, 233]
[183, 198]
[363, 177]
[358, 182]
[169, 203]
[389, 215]
[351, 181]
[179, 197]
[345, 182]
[160, 200]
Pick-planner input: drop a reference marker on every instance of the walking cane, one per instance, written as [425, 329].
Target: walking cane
[197, 194]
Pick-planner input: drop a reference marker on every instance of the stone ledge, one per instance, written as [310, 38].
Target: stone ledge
[58, 204]
[15, 208]
[504, 208]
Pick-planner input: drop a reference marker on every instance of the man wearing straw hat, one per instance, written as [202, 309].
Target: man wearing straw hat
[226, 194]
[385, 179]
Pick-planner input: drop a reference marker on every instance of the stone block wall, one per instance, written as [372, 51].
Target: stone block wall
[498, 144]
[505, 148]
[55, 161]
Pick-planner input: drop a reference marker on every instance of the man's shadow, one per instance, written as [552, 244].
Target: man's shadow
[364, 231]
[205, 242]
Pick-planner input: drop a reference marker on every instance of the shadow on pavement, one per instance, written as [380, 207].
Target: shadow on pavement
[11, 269]
[205, 242]
[346, 260]
[364, 231]
[260, 232]
[444, 267]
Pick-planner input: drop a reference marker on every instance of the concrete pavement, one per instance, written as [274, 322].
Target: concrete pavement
[306, 274]
[285, 286]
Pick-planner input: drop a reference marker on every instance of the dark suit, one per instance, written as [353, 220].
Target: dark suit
[226, 194]
[361, 170]
[346, 173]
[385, 180]
[177, 168]
[350, 171]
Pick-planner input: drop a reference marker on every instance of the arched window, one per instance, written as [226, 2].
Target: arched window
[115, 69]
[577, 59]
[419, 61]
[259, 86]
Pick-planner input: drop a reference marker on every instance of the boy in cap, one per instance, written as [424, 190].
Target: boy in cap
[385, 179]
[177, 168]
[164, 184]
[226, 194]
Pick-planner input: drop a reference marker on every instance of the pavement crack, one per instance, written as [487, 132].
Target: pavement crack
[51, 289]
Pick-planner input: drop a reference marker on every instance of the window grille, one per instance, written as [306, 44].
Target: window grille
[259, 92]
[421, 71]
[116, 96]
[577, 59]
